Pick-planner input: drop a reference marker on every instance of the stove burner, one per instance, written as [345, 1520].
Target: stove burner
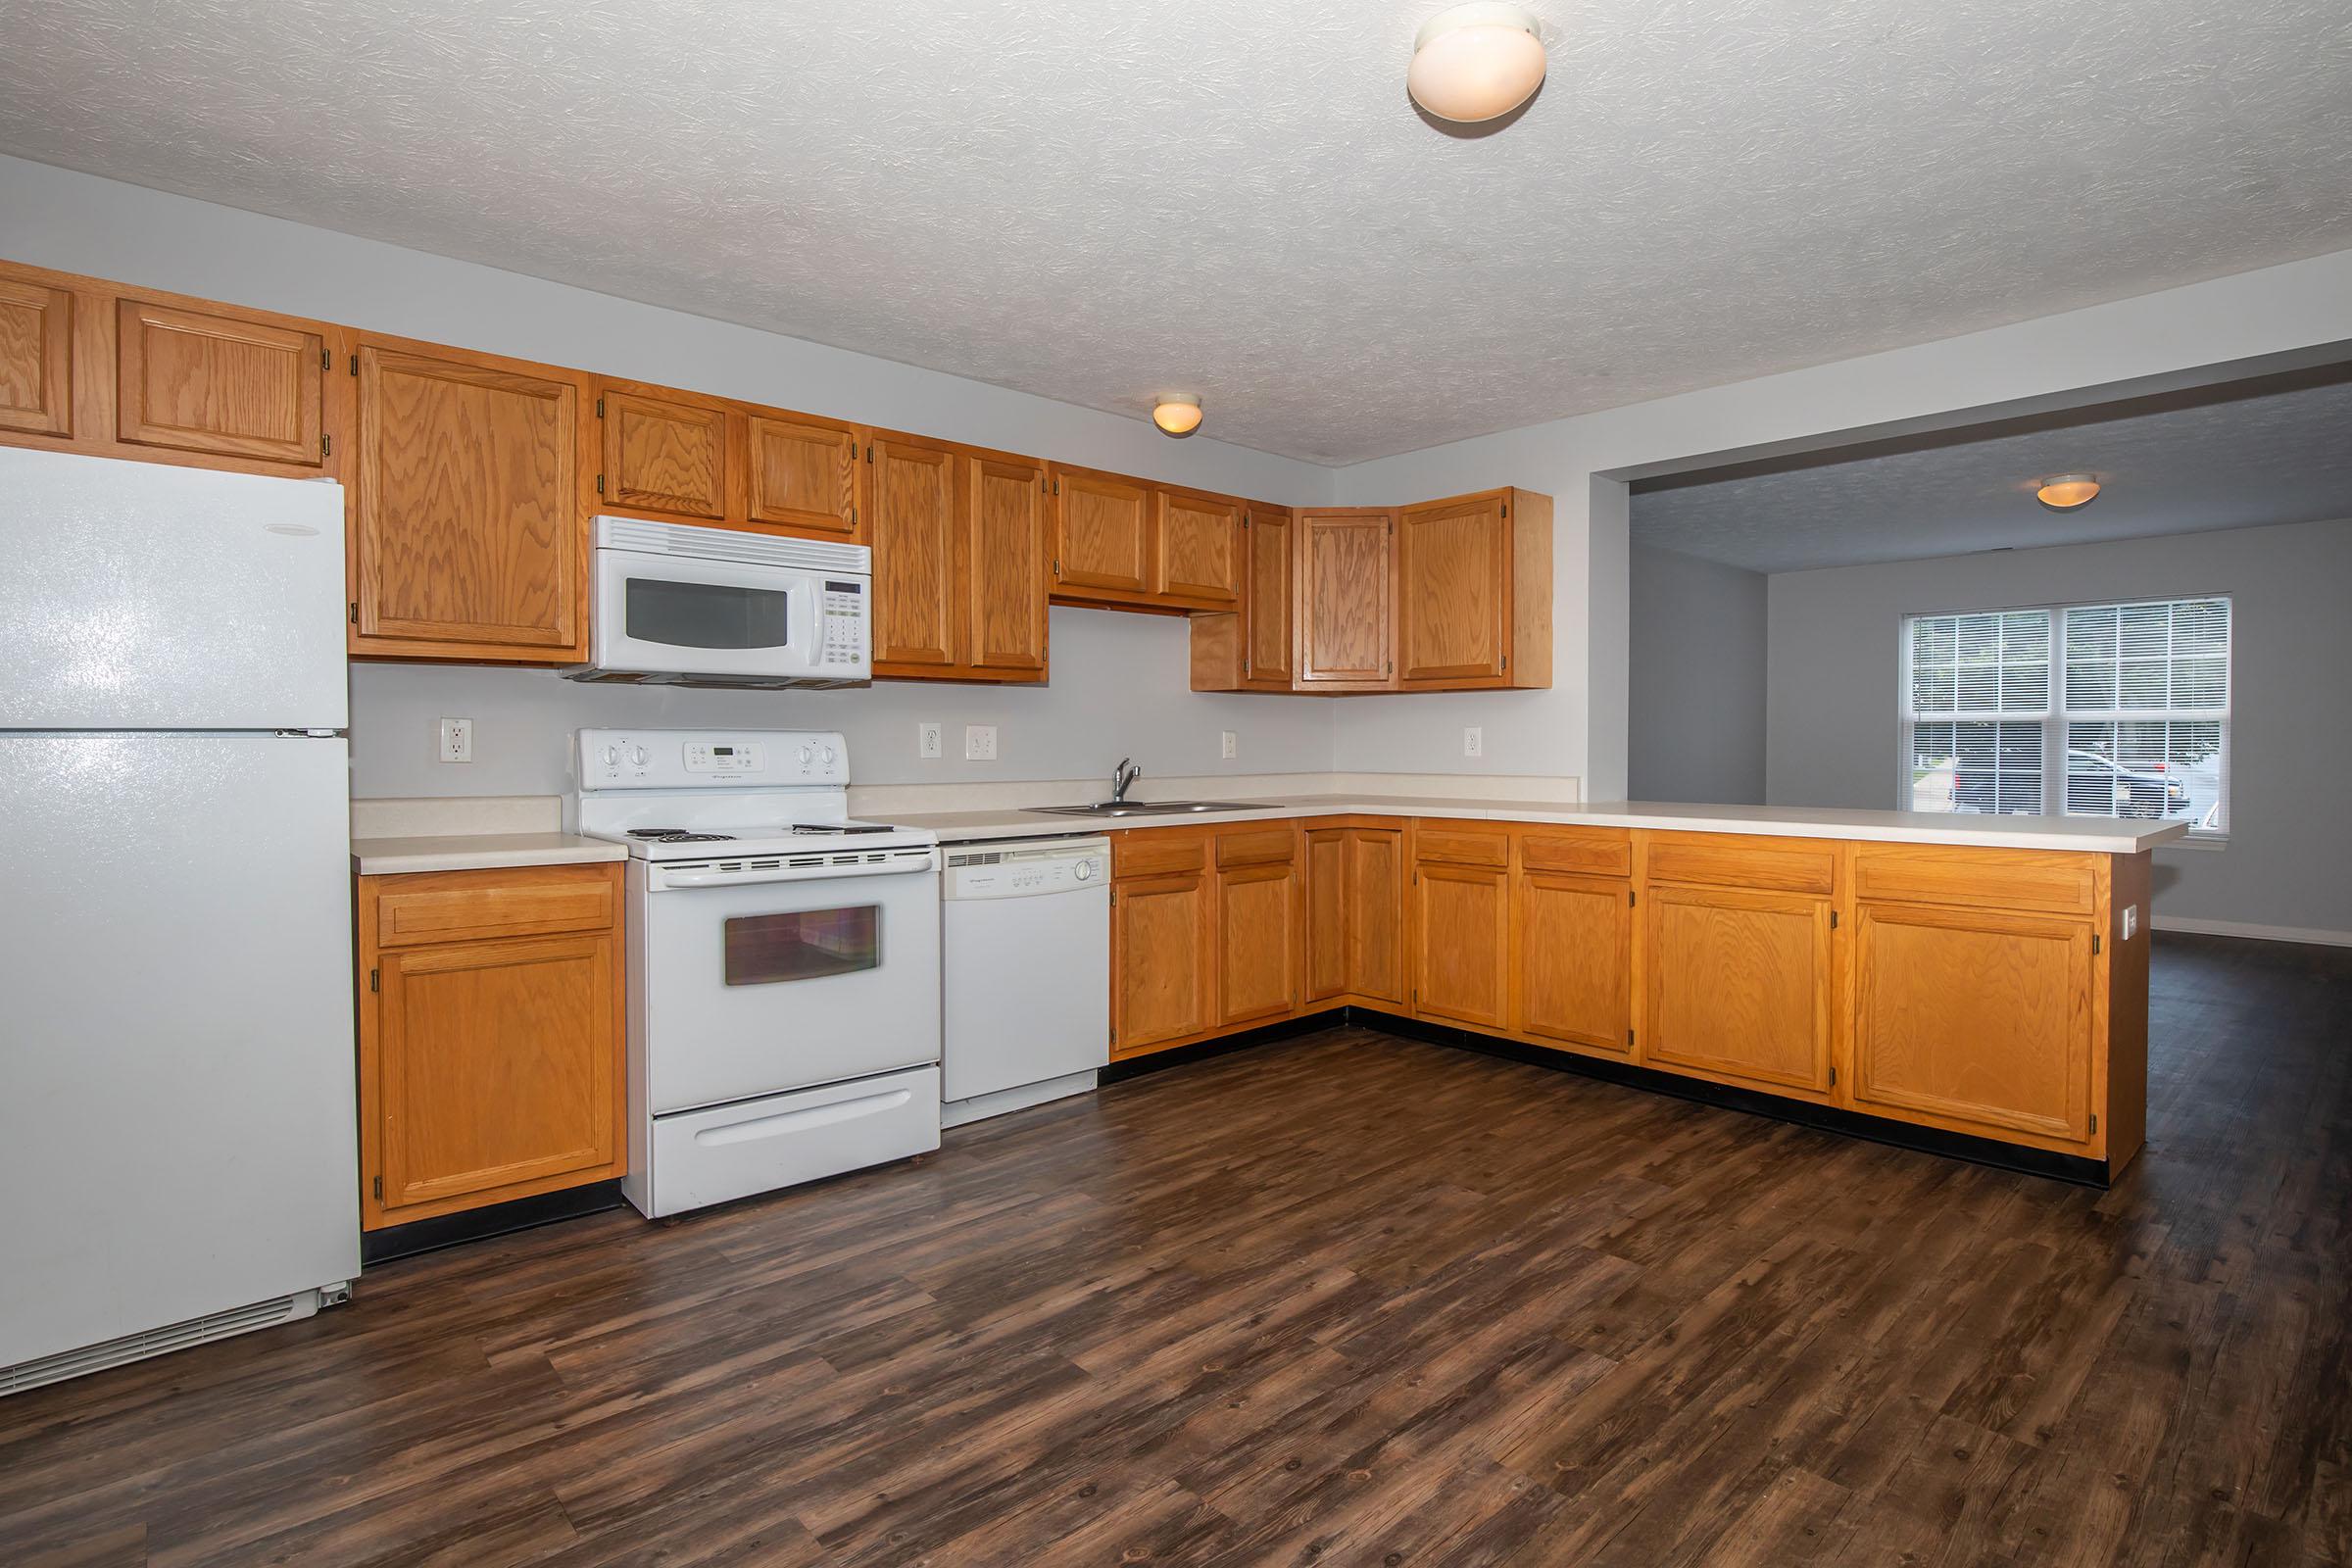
[677, 835]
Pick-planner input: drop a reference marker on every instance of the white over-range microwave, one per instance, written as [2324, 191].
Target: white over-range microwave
[675, 605]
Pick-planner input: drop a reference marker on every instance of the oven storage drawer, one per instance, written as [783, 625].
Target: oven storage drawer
[707, 1156]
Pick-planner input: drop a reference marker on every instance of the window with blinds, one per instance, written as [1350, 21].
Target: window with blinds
[2110, 710]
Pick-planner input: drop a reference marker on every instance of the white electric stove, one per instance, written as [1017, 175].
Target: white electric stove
[783, 962]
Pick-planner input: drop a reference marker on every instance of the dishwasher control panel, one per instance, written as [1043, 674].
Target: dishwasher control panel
[1007, 871]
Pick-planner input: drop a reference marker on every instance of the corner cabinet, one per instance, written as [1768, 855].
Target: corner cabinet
[491, 1038]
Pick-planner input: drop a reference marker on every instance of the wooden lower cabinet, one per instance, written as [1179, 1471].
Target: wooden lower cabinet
[1461, 945]
[1738, 986]
[1162, 960]
[1355, 885]
[491, 1038]
[1573, 937]
[1259, 940]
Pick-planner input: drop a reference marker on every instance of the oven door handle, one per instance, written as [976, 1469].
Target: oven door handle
[804, 873]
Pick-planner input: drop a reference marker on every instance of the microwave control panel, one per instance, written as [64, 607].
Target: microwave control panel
[843, 618]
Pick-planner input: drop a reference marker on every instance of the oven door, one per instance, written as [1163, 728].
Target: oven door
[681, 615]
[753, 988]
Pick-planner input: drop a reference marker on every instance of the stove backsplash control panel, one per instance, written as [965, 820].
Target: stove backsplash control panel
[671, 759]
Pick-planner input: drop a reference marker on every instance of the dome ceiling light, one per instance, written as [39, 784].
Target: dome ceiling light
[1476, 62]
[2064, 492]
[1177, 413]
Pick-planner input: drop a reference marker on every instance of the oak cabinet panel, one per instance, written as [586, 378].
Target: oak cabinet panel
[1007, 572]
[469, 515]
[1267, 657]
[218, 384]
[803, 474]
[915, 512]
[1345, 587]
[2048, 881]
[1328, 903]
[1739, 985]
[665, 455]
[1973, 1018]
[1102, 532]
[1376, 883]
[1197, 548]
[1453, 593]
[1462, 933]
[1162, 960]
[1258, 942]
[36, 358]
[1574, 936]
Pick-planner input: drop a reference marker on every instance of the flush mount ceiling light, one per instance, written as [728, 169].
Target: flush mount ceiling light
[1177, 413]
[1476, 62]
[2064, 492]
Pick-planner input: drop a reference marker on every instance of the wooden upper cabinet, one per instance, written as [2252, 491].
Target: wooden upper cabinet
[36, 358]
[1453, 592]
[803, 474]
[224, 385]
[663, 454]
[1976, 1021]
[916, 512]
[1346, 586]
[1197, 550]
[470, 510]
[1006, 575]
[1575, 940]
[1102, 527]
[1269, 555]
[1738, 986]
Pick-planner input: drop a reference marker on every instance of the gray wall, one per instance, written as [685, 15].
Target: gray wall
[1833, 686]
[1695, 679]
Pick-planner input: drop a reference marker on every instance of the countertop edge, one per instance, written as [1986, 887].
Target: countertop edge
[479, 852]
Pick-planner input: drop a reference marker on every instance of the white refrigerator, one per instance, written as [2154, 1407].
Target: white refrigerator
[178, 1154]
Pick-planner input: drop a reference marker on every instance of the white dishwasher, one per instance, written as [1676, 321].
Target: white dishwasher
[1025, 991]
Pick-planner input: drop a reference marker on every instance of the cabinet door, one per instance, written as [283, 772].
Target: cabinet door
[664, 455]
[496, 1063]
[1575, 943]
[1453, 592]
[218, 384]
[1006, 577]
[1739, 985]
[1329, 901]
[469, 506]
[1258, 936]
[1267, 656]
[802, 475]
[1346, 585]
[36, 358]
[1462, 932]
[1376, 928]
[1974, 1019]
[1102, 532]
[1160, 959]
[1198, 549]
[915, 507]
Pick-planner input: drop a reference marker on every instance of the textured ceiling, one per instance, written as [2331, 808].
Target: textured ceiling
[1234, 197]
[2282, 457]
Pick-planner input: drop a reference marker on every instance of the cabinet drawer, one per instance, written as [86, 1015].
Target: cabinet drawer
[460, 905]
[2055, 882]
[1590, 851]
[1264, 846]
[1736, 861]
[1461, 845]
[1150, 854]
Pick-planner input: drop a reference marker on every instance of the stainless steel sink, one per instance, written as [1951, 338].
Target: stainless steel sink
[1145, 808]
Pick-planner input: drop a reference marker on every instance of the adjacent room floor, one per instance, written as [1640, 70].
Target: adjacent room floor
[1343, 1300]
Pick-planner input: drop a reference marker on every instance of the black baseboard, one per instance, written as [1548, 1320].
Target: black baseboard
[1223, 1045]
[494, 1219]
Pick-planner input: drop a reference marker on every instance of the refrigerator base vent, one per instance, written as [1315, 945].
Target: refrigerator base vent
[171, 1337]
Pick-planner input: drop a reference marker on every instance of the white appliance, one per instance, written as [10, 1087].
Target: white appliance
[675, 605]
[178, 1132]
[1026, 983]
[783, 964]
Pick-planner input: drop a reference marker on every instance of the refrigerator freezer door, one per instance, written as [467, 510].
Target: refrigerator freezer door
[176, 1114]
[143, 596]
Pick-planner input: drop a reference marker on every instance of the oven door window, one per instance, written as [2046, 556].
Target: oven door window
[704, 615]
[809, 944]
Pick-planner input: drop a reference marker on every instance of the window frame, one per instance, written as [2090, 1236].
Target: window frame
[2056, 718]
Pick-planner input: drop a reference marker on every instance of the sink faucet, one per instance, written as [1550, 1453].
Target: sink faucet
[1122, 777]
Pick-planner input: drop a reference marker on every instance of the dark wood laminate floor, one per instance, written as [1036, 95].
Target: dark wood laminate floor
[1344, 1300]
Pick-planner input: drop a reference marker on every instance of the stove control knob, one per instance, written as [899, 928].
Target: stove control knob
[831, 756]
[1084, 871]
[808, 754]
[611, 757]
[639, 756]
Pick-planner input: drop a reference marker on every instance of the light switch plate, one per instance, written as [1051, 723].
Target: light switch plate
[1474, 741]
[2131, 920]
[1229, 745]
[926, 738]
[455, 741]
[979, 743]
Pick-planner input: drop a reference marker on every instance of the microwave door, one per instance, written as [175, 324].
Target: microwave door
[675, 614]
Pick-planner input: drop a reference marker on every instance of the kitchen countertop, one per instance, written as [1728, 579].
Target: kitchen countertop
[2085, 835]
[477, 851]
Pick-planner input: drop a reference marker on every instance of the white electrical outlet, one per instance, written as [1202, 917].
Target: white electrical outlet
[457, 740]
[979, 743]
[1474, 741]
[926, 738]
[1229, 745]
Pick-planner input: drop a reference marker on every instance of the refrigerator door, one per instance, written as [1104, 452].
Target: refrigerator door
[143, 596]
[177, 1113]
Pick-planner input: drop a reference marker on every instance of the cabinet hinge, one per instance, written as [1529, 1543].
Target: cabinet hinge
[1057, 485]
[1631, 898]
[326, 359]
[870, 452]
[1506, 660]
[1833, 1077]
[1506, 508]
[1245, 666]
[853, 452]
[354, 611]
[326, 446]
[355, 364]
[1832, 919]
[2094, 943]
[599, 484]
[376, 979]
[1115, 1034]
[2094, 1124]
[379, 1189]
[1629, 1040]
[600, 407]
[1056, 565]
